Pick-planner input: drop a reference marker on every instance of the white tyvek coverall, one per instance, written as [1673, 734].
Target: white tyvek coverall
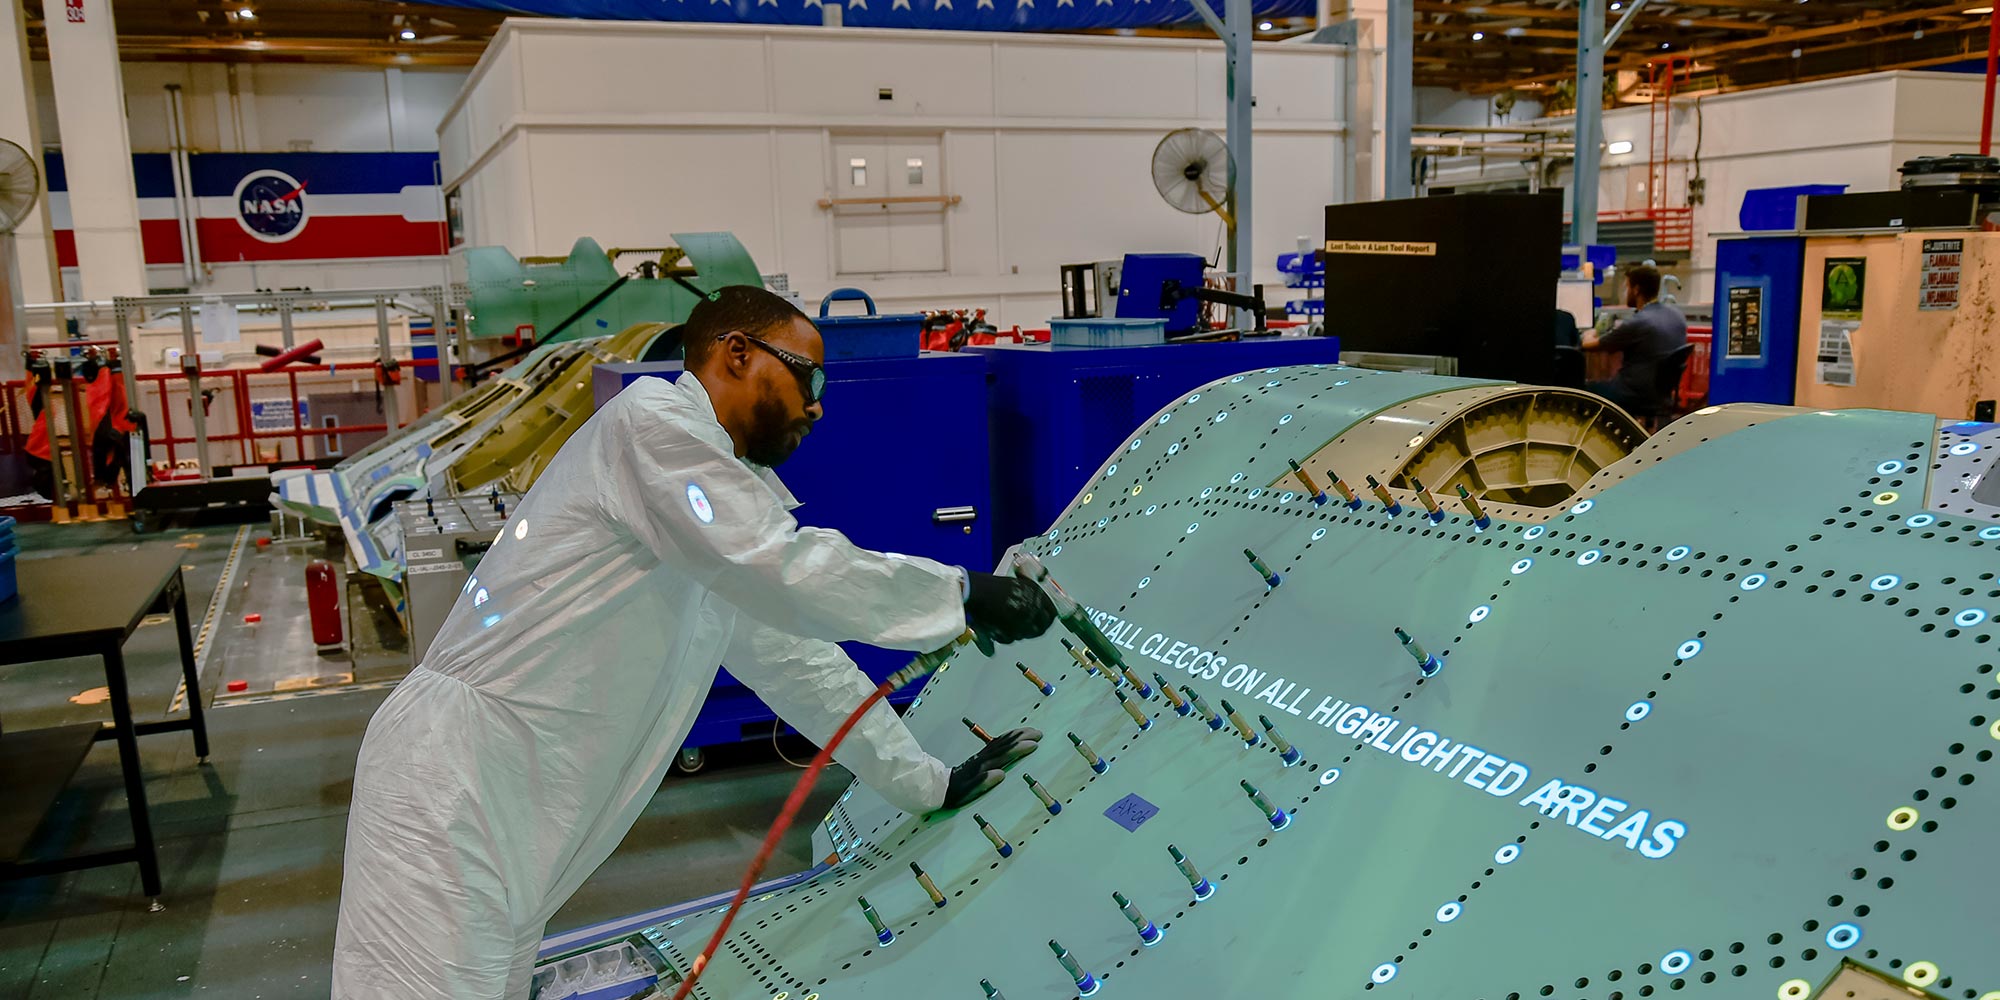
[508, 765]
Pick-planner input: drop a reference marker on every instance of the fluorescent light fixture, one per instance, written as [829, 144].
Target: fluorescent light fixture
[246, 14]
[1263, 26]
[1617, 6]
[1479, 36]
[408, 35]
[1619, 147]
[1978, 10]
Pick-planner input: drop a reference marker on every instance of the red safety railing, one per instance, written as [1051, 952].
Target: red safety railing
[233, 437]
[1673, 228]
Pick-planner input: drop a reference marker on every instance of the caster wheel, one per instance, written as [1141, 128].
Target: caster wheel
[690, 760]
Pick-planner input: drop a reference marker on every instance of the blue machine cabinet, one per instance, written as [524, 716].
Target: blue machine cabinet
[1762, 276]
[1056, 414]
[899, 457]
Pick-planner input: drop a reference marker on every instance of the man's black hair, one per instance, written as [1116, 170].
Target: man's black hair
[744, 308]
[1644, 279]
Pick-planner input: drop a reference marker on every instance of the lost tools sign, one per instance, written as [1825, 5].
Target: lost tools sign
[1938, 280]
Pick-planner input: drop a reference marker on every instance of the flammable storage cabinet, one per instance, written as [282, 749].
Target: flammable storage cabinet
[1901, 321]
[1755, 354]
[1058, 411]
[898, 464]
[443, 540]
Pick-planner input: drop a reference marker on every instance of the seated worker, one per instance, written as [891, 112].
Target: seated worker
[657, 545]
[1647, 337]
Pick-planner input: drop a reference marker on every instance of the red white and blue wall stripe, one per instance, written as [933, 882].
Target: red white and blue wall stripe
[278, 206]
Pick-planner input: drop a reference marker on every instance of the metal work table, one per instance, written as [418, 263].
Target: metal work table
[89, 606]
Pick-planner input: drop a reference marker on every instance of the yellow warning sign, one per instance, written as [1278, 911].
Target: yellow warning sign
[1394, 248]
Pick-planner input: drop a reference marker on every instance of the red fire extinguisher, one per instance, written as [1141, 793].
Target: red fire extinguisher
[323, 601]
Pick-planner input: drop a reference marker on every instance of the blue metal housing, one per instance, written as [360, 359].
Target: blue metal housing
[1774, 267]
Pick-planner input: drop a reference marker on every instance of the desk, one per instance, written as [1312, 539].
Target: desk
[88, 606]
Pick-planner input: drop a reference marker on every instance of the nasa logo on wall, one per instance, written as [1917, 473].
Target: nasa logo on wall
[271, 205]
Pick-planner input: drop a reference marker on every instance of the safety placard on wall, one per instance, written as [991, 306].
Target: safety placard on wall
[1938, 280]
[1394, 248]
[1746, 322]
[1835, 361]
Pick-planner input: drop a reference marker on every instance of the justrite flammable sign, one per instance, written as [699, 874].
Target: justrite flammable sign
[1596, 813]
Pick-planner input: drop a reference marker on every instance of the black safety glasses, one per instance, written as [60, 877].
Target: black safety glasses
[812, 377]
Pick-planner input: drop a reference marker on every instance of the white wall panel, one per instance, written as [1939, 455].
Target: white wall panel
[608, 74]
[1295, 84]
[1075, 197]
[634, 189]
[801, 240]
[495, 97]
[972, 226]
[1070, 81]
[930, 75]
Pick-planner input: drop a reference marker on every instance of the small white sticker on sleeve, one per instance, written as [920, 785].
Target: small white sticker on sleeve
[698, 500]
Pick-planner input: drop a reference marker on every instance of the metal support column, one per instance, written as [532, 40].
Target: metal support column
[1398, 99]
[1243, 255]
[1589, 122]
[387, 363]
[197, 409]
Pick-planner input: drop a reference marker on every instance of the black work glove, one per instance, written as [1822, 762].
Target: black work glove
[982, 772]
[1005, 609]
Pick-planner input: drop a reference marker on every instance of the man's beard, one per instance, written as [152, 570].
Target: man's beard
[771, 438]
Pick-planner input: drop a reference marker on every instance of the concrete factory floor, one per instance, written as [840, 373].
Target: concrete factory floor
[250, 842]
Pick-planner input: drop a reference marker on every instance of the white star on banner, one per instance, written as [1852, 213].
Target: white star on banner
[1064, 3]
[942, 5]
[983, 5]
[1018, 4]
[858, 4]
[814, 3]
[1103, 3]
[762, 3]
[899, 4]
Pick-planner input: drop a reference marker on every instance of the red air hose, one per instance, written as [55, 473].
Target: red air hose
[793, 804]
[918, 667]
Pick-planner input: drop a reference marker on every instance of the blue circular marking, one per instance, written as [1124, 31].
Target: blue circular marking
[1383, 973]
[1329, 776]
[1965, 448]
[1258, 492]
[1319, 534]
[1237, 478]
[1638, 710]
[1288, 497]
[1522, 566]
[1286, 419]
[1273, 384]
[1589, 557]
[1889, 468]
[1174, 449]
[1151, 509]
[1342, 382]
[1056, 551]
[1220, 417]
[1479, 614]
[1674, 963]
[1841, 937]
[1194, 397]
[1235, 380]
[1535, 532]
[1449, 912]
[1268, 371]
[1920, 521]
[1193, 527]
[1677, 553]
[1753, 581]
[1583, 507]
[1053, 532]
[1112, 470]
[1164, 417]
[1886, 581]
[1970, 617]
[1144, 582]
[1990, 533]
[1689, 649]
[1206, 492]
[1134, 446]
[1102, 521]
[1506, 854]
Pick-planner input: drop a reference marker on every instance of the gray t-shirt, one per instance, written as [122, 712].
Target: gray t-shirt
[1646, 337]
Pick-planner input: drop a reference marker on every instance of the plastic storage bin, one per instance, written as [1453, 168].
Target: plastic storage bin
[1777, 209]
[869, 335]
[1107, 332]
